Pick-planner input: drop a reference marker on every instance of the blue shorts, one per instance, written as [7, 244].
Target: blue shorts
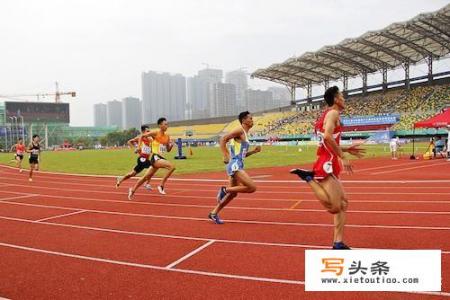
[234, 165]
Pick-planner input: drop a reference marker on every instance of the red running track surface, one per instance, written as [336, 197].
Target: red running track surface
[77, 237]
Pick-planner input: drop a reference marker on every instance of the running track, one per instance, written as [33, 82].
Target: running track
[76, 237]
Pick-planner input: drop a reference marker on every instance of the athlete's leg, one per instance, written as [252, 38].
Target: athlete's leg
[339, 204]
[228, 197]
[126, 177]
[31, 171]
[141, 181]
[165, 164]
[245, 183]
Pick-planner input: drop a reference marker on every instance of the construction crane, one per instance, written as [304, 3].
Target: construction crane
[57, 94]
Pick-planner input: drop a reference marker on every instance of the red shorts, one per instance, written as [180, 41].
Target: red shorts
[325, 166]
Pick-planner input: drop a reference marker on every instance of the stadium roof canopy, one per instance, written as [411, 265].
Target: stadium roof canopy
[427, 35]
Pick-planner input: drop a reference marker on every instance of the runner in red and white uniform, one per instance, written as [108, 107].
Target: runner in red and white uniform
[143, 147]
[323, 179]
[20, 151]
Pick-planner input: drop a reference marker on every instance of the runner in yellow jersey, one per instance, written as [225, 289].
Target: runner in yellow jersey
[161, 144]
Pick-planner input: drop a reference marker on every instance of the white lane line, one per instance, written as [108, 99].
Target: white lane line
[190, 254]
[180, 237]
[394, 166]
[262, 181]
[214, 189]
[263, 208]
[412, 168]
[211, 197]
[145, 266]
[256, 208]
[187, 271]
[18, 197]
[254, 222]
[61, 216]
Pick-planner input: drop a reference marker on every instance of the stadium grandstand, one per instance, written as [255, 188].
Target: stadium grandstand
[388, 105]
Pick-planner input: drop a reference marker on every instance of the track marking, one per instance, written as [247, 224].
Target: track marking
[412, 168]
[237, 207]
[145, 266]
[392, 166]
[262, 181]
[211, 197]
[235, 221]
[190, 254]
[296, 204]
[248, 199]
[180, 237]
[61, 216]
[18, 197]
[187, 271]
[83, 183]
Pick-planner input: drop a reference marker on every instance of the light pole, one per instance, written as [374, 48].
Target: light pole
[23, 128]
[11, 129]
[17, 128]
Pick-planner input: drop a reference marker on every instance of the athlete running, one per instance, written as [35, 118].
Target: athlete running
[20, 150]
[141, 146]
[35, 151]
[239, 180]
[323, 179]
[161, 144]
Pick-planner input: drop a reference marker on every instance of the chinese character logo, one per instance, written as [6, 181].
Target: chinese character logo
[333, 265]
[379, 268]
[356, 267]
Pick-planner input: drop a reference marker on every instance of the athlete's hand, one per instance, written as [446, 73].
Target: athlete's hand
[226, 159]
[355, 150]
[257, 149]
[347, 166]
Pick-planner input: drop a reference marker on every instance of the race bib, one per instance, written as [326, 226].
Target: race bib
[146, 149]
[142, 159]
[235, 167]
[328, 167]
[162, 148]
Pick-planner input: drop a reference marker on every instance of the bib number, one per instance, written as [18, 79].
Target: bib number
[146, 149]
[235, 167]
[328, 167]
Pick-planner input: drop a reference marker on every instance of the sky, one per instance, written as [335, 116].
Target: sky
[100, 48]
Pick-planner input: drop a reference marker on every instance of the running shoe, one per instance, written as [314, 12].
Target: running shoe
[215, 218]
[161, 190]
[303, 174]
[340, 246]
[30, 179]
[118, 182]
[221, 194]
[148, 187]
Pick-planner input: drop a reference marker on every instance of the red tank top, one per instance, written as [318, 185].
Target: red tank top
[20, 149]
[145, 149]
[320, 131]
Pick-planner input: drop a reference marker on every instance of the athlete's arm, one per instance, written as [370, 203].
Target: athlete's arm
[151, 133]
[224, 140]
[169, 145]
[12, 147]
[30, 146]
[254, 151]
[133, 141]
